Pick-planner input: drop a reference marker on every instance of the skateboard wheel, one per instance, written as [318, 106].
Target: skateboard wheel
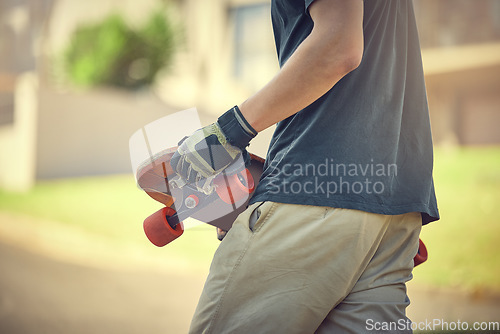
[159, 231]
[421, 254]
[234, 187]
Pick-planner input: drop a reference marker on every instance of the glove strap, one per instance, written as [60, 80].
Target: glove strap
[235, 127]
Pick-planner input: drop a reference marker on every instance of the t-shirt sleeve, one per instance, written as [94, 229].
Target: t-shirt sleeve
[307, 4]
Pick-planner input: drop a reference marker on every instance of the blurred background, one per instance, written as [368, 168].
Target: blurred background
[77, 78]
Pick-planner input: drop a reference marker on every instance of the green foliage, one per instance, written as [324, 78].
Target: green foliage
[464, 245]
[115, 54]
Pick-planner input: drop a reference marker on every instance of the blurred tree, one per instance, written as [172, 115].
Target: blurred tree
[114, 54]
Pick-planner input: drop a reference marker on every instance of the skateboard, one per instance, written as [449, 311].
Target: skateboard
[233, 188]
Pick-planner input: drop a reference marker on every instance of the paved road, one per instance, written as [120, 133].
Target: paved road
[41, 295]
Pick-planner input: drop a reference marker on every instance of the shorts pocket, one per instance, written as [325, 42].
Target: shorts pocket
[259, 215]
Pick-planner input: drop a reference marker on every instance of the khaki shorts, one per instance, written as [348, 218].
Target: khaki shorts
[287, 268]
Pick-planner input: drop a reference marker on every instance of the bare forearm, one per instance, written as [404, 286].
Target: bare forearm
[299, 83]
[314, 68]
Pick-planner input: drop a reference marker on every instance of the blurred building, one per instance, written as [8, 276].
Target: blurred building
[231, 53]
[460, 42]
[21, 26]
[228, 53]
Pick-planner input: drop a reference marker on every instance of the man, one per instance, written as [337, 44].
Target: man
[328, 241]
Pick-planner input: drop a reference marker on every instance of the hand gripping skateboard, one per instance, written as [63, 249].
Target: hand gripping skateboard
[232, 190]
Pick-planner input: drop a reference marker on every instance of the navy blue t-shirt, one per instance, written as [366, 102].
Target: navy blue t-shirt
[366, 144]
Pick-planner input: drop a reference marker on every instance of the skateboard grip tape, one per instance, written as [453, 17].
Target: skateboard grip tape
[158, 230]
